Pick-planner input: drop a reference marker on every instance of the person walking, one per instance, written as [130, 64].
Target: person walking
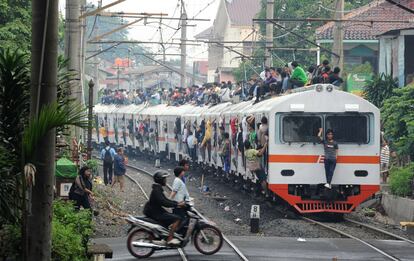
[81, 190]
[107, 156]
[331, 154]
[119, 169]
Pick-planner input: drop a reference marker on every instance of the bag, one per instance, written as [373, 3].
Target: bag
[108, 158]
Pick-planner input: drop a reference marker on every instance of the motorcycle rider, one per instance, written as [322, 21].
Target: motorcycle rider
[154, 208]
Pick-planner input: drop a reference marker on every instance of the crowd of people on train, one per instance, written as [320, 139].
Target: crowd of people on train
[270, 82]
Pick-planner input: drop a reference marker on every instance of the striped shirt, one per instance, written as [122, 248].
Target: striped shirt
[385, 155]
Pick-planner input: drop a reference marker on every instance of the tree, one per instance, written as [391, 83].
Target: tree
[299, 9]
[14, 111]
[380, 88]
[398, 120]
[15, 21]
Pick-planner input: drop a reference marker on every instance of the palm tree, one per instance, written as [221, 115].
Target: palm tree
[14, 111]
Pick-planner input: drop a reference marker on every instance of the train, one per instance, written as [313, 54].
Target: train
[294, 156]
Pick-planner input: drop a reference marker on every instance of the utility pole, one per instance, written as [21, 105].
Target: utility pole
[90, 119]
[269, 32]
[43, 92]
[72, 50]
[183, 44]
[338, 36]
[72, 44]
[96, 60]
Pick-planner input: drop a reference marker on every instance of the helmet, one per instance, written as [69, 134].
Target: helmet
[159, 177]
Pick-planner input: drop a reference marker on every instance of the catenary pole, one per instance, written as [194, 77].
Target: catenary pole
[44, 53]
[183, 44]
[338, 36]
[269, 31]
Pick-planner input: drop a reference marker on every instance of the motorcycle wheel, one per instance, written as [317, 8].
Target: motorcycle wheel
[208, 240]
[142, 236]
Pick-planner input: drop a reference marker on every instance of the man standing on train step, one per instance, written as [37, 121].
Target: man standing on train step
[107, 156]
[331, 154]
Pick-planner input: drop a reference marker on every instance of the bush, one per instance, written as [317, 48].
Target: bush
[70, 232]
[10, 242]
[93, 164]
[397, 116]
[401, 180]
[380, 88]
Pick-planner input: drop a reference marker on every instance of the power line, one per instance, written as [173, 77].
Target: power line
[304, 39]
[199, 12]
[311, 19]
[400, 6]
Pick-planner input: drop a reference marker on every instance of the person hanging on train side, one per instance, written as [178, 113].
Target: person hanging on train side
[262, 134]
[331, 154]
[253, 163]
[240, 144]
[225, 153]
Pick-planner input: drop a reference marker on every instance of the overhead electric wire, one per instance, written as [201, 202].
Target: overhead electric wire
[204, 8]
[400, 6]
[93, 26]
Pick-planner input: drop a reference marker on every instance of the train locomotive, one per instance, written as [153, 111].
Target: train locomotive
[294, 158]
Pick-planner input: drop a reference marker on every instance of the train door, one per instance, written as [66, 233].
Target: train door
[110, 127]
[129, 122]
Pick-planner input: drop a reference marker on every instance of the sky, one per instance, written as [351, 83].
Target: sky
[149, 32]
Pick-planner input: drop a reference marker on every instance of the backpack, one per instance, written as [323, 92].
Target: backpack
[107, 157]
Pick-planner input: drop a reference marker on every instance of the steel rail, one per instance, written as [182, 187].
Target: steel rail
[389, 256]
[380, 230]
[180, 250]
[233, 246]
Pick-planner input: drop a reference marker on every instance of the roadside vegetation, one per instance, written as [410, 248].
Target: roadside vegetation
[397, 121]
[19, 141]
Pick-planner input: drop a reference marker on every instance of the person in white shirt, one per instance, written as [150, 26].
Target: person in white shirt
[225, 94]
[191, 146]
[179, 191]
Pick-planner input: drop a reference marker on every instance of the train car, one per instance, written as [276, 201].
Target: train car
[294, 159]
[296, 169]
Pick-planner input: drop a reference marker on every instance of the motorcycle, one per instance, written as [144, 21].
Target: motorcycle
[146, 235]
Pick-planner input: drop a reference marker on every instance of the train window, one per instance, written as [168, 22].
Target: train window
[300, 128]
[349, 128]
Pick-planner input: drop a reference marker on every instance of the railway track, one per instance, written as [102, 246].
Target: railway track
[336, 230]
[181, 251]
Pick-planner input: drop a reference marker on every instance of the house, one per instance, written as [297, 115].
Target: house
[361, 42]
[396, 56]
[233, 23]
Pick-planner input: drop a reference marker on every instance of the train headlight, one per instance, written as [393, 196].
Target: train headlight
[319, 88]
[329, 88]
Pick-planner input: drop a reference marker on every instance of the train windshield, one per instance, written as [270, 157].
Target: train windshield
[349, 128]
[298, 128]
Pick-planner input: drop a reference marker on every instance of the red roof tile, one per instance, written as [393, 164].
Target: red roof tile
[376, 10]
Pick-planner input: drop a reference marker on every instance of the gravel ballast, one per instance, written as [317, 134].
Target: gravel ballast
[224, 204]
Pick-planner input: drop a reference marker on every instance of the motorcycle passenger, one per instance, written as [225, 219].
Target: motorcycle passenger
[179, 191]
[154, 208]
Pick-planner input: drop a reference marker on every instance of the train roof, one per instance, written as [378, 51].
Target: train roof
[315, 98]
